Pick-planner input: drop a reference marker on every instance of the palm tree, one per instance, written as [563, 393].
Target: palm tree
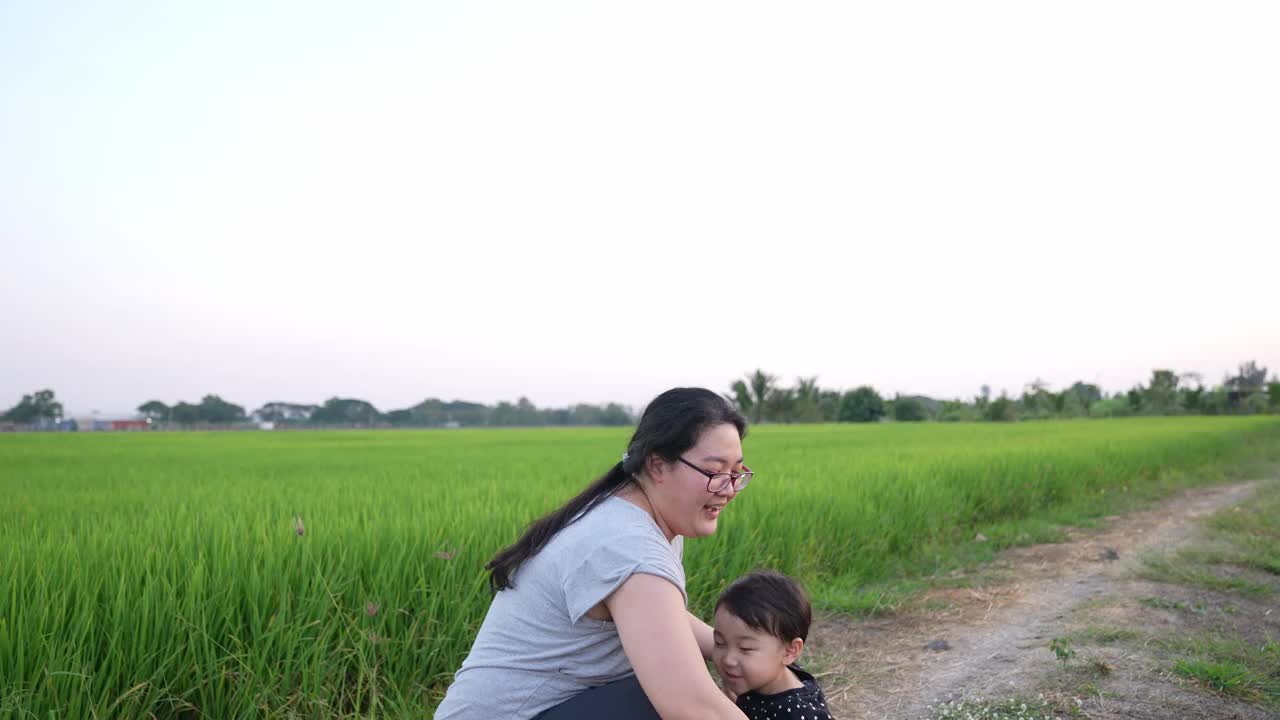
[781, 406]
[1251, 378]
[741, 397]
[806, 399]
[762, 385]
[751, 394]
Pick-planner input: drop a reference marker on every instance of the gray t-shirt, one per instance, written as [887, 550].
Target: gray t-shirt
[536, 648]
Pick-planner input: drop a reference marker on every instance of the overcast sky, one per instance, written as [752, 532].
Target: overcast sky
[581, 202]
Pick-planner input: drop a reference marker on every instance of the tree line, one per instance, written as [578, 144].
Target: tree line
[761, 397]
[353, 412]
[41, 409]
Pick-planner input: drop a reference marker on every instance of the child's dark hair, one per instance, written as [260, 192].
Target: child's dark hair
[770, 602]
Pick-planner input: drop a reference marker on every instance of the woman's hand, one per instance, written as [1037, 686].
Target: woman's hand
[654, 627]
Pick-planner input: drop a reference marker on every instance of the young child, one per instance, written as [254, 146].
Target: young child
[761, 623]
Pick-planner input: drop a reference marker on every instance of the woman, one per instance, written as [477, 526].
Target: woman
[589, 619]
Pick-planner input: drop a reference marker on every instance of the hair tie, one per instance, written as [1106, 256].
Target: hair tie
[624, 456]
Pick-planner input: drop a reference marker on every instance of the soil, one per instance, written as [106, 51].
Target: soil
[991, 640]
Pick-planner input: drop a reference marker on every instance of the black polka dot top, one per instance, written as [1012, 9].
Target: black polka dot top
[803, 703]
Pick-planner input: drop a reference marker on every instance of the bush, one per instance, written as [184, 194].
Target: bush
[1111, 407]
[1002, 409]
[861, 405]
[1256, 403]
[909, 410]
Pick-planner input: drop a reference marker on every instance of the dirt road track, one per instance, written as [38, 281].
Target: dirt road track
[998, 634]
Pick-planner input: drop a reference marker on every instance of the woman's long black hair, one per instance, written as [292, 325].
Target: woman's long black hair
[670, 425]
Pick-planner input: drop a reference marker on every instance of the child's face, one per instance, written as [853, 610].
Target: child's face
[749, 659]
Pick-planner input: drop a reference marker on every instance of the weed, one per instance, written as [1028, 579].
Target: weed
[1061, 647]
[1014, 709]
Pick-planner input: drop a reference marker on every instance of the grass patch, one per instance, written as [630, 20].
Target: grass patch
[1179, 571]
[865, 601]
[1194, 608]
[1107, 635]
[1230, 666]
[1227, 677]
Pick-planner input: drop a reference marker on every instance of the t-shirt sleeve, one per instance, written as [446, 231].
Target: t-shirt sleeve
[604, 566]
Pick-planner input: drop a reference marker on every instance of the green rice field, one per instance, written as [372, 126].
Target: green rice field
[336, 574]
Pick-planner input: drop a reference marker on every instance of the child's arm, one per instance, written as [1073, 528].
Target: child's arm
[703, 634]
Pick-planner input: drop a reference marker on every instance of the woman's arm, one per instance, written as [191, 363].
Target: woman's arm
[703, 634]
[654, 627]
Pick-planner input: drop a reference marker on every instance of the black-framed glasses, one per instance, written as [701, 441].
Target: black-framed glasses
[717, 482]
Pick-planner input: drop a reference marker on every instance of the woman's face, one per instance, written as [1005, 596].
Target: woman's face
[683, 505]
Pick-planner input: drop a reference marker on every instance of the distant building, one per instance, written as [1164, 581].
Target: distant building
[95, 424]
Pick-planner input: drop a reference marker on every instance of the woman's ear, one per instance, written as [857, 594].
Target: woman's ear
[655, 468]
[792, 650]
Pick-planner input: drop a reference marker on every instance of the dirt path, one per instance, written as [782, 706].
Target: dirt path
[996, 635]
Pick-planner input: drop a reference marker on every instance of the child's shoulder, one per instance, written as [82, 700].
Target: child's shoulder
[803, 702]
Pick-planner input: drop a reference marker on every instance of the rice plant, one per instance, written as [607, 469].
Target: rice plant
[340, 574]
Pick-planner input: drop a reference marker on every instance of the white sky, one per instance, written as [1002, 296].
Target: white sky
[596, 201]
